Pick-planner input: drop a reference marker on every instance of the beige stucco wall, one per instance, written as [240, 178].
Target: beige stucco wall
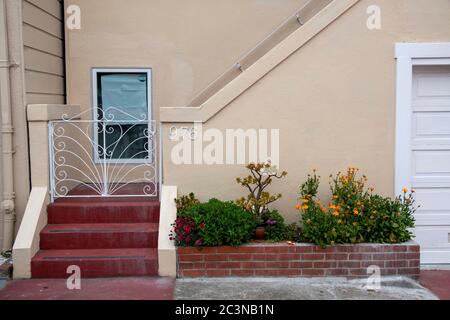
[333, 100]
[188, 44]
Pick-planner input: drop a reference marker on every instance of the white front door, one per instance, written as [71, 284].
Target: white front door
[430, 161]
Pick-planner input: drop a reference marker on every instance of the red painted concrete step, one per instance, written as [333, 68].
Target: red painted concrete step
[95, 263]
[80, 211]
[99, 236]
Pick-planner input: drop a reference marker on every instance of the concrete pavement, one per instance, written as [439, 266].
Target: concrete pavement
[298, 289]
[433, 284]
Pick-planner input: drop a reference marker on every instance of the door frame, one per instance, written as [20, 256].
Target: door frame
[409, 55]
[94, 74]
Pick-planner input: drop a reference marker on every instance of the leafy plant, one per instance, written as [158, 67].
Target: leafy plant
[277, 229]
[221, 223]
[260, 178]
[354, 214]
[186, 201]
[310, 188]
[185, 233]
[6, 254]
[389, 220]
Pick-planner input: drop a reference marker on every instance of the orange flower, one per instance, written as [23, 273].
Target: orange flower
[298, 206]
[305, 207]
[336, 214]
[405, 190]
[355, 212]
[305, 200]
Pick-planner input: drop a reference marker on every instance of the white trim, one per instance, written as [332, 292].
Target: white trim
[408, 55]
[167, 252]
[431, 62]
[423, 50]
[403, 124]
[95, 71]
[161, 159]
[435, 267]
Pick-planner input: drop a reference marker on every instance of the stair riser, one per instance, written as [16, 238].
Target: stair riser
[108, 249]
[57, 269]
[108, 240]
[67, 214]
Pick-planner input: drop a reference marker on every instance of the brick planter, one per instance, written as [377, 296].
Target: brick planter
[301, 260]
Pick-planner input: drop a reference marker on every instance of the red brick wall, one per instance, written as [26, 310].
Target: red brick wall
[282, 260]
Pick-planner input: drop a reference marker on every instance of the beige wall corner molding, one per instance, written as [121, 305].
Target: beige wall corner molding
[27, 240]
[260, 68]
[167, 255]
[48, 112]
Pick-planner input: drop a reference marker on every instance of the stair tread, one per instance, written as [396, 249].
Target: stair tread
[101, 227]
[100, 254]
[104, 237]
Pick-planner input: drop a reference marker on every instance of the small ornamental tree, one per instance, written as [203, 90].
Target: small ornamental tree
[260, 178]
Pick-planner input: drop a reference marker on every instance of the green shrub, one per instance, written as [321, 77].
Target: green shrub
[221, 223]
[186, 201]
[388, 221]
[355, 214]
[6, 254]
[276, 228]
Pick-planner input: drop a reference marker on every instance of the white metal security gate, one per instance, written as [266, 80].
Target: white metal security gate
[103, 158]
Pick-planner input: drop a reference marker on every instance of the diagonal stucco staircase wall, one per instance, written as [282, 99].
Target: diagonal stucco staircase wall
[298, 30]
[293, 23]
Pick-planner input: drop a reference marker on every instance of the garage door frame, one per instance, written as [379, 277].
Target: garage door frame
[409, 55]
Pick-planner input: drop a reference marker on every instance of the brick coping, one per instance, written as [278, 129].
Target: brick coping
[299, 260]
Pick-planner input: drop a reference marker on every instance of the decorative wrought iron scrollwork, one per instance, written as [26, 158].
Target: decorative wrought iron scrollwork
[112, 156]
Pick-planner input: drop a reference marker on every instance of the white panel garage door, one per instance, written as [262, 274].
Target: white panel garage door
[430, 165]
